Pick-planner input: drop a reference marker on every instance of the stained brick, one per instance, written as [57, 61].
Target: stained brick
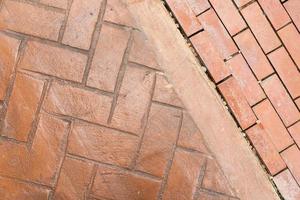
[281, 100]
[246, 79]
[287, 185]
[160, 137]
[40, 163]
[54, 61]
[190, 136]
[78, 33]
[141, 51]
[272, 124]
[22, 107]
[164, 92]
[295, 132]
[293, 7]
[29, 19]
[108, 58]
[102, 144]
[210, 55]
[8, 55]
[229, 15]
[117, 12]
[275, 12]
[265, 148]
[185, 16]
[183, 176]
[253, 54]
[78, 103]
[109, 183]
[56, 3]
[237, 102]
[261, 27]
[134, 99]
[291, 157]
[198, 6]
[73, 171]
[214, 179]
[219, 35]
[291, 40]
[287, 71]
[241, 3]
[11, 189]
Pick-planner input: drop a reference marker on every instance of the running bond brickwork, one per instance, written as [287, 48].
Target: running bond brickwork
[251, 49]
[86, 112]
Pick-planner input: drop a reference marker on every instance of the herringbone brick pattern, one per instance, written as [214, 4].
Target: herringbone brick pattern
[251, 49]
[86, 113]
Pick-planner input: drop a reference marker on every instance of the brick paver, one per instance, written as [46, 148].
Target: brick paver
[263, 77]
[86, 112]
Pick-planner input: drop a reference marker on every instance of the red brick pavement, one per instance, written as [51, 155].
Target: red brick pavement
[252, 52]
[86, 113]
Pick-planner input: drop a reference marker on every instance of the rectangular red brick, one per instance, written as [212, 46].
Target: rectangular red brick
[295, 132]
[241, 3]
[160, 137]
[185, 16]
[102, 144]
[287, 70]
[293, 7]
[266, 149]
[8, 55]
[164, 92]
[291, 157]
[112, 183]
[78, 103]
[219, 36]
[291, 39]
[78, 33]
[210, 56]
[237, 102]
[281, 101]
[275, 12]
[108, 58]
[190, 136]
[229, 15]
[12, 189]
[287, 185]
[297, 101]
[182, 180]
[54, 61]
[22, 107]
[74, 180]
[141, 51]
[198, 6]
[253, 54]
[272, 124]
[56, 3]
[261, 27]
[246, 79]
[133, 100]
[30, 19]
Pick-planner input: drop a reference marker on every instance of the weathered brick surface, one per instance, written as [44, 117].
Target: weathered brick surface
[237, 102]
[48, 59]
[241, 3]
[287, 185]
[80, 34]
[23, 102]
[261, 27]
[198, 6]
[56, 3]
[29, 19]
[8, 55]
[185, 15]
[294, 131]
[220, 37]
[293, 7]
[266, 149]
[253, 54]
[291, 157]
[108, 58]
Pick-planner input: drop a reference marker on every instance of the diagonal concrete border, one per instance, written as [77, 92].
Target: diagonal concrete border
[221, 134]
